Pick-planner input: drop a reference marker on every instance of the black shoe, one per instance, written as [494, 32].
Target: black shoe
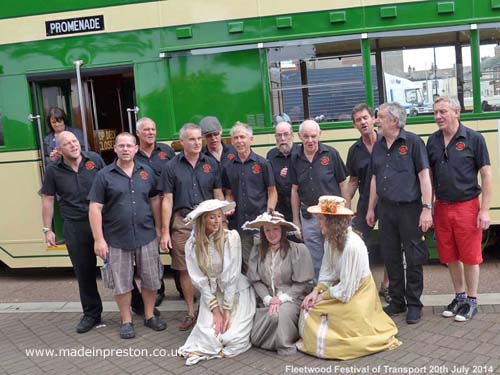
[466, 312]
[87, 323]
[155, 323]
[139, 310]
[127, 331]
[452, 309]
[392, 309]
[159, 299]
[414, 314]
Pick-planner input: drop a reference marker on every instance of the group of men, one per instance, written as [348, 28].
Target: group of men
[137, 204]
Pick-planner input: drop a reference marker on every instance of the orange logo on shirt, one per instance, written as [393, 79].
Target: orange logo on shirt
[325, 160]
[144, 175]
[163, 156]
[460, 146]
[207, 168]
[256, 169]
[89, 165]
[403, 150]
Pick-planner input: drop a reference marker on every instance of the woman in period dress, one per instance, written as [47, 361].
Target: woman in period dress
[281, 273]
[342, 318]
[227, 302]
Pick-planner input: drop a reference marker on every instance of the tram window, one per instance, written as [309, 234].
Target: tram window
[417, 69]
[1, 131]
[490, 69]
[323, 81]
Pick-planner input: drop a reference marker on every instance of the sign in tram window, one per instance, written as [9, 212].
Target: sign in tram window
[321, 81]
[74, 25]
[1, 131]
[106, 139]
[417, 69]
[490, 69]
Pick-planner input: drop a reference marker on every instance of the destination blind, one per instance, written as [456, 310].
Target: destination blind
[74, 25]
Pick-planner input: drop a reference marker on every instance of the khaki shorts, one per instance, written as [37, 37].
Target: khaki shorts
[179, 237]
[149, 267]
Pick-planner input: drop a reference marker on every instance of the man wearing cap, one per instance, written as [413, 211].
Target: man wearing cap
[125, 219]
[70, 177]
[315, 169]
[211, 130]
[187, 180]
[456, 155]
[155, 155]
[248, 180]
[280, 157]
[401, 188]
[358, 167]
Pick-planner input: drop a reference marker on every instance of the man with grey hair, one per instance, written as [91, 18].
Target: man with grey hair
[211, 130]
[280, 157]
[401, 188]
[187, 180]
[248, 180]
[456, 155]
[315, 170]
[155, 155]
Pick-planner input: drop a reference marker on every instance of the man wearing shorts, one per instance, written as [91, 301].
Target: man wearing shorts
[125, 218]
[187, 180]
[456, 155]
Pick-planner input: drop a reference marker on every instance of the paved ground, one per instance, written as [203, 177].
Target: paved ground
[36, 342]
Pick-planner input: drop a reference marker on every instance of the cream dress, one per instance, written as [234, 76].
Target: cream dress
[349, 322]
[290, 278]
[224, 283]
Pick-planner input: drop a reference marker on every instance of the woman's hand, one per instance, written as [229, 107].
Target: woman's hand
[310, 300]
[274, 305]
[227, 318]
[218, 321]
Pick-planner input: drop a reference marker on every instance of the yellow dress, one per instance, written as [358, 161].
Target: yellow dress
[349, 322]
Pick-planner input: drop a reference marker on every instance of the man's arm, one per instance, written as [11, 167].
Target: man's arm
[372, 202]
[95, 219]
[352, 186]
[483, 218]
[426, 189]
[295, 201]
[156, 209]
[218, 194]
[343, 185]
[272, 198]
[47, 216]
[166, 214]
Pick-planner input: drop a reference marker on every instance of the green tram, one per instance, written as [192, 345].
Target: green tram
[109, 62]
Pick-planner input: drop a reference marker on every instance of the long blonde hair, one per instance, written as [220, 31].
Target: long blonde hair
[337, 231]
[201, 241]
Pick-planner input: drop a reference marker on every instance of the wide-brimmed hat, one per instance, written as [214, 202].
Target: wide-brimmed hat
[330, 205]
[274, 218]
[207, 206]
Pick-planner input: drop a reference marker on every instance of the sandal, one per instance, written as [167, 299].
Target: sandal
[188, 323]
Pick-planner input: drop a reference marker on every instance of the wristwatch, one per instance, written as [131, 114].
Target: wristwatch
[427, 205]
[45, 230]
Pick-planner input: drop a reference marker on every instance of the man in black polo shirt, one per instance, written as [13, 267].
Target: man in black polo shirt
[280, 158]
[187, 180]
[125, 219]
[155, 155]
[358, 166]
[211, 130]
[70, 177]
[401, 188]
[316, 169]
[456, 155]
[248, 180]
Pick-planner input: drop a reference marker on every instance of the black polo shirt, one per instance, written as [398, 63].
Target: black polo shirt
[319, 177]
[72, 187]
[190, 186]
[228, 154]
[127, 218]
[248, 181]
[283, 184]
[161, 154]
[454, 172]
[358, 165]
[397, 169]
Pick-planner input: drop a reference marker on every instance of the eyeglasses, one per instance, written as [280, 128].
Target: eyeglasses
[282, 135]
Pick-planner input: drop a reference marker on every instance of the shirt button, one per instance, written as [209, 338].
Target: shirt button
[388, 155]
[194, 184]
[133, 191]
[133, 202]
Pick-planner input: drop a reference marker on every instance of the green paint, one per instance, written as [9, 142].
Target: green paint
[476, 70]
[389, 12]
[445, 7]
[495, 4]
[367, 72]
[184, 32]
[338, 17]
[284, 22]
[235, 27]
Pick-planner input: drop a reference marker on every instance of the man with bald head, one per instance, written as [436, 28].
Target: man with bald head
[280, 157]
[316, 170]
[71, 177]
